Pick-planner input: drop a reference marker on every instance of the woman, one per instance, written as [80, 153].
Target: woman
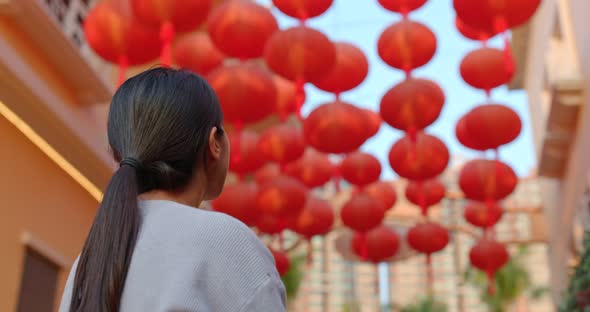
[149, 248]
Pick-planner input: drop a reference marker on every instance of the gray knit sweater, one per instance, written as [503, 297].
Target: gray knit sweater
[188, 259]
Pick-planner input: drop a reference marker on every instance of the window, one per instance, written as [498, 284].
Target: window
[38, 283]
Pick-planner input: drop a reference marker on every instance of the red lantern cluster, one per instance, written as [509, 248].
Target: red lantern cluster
[489, 126]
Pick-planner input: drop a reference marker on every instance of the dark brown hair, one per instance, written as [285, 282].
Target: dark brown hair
[158, 128]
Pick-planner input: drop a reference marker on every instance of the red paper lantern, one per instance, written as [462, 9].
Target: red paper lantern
[303, 9]
[425, 193]
[171, 16]
[245, 157]
[300, 54]
[246, 92]
[327, 125]
[196, 52]
[402, 6]
[484, 68]
[362, 213]
[407, 45]
[489, 256]
[483, 180]
[240, 28]
[282, 196]
[422, 159]
[313, 169]
[381, 243]
[271, 224]
[360, 168]
[494, 14]
[374, 122]
[382, 191]
[349, 71]
[316, 218]
[473, 33]
[286, 97]
[115, 35]
[266, 173]
[239, 201]
[492, 125]
[282, 262]
[428, 237]
[465, 137]
[412, 105]
[282, 143]
[484, 215]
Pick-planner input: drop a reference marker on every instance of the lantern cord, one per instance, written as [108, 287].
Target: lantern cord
[123, 65]
[429, 275]
[336, 179]
[309, 251]
[167, 34]
[363, 246]
[491, 283]
[299, 96]
[501, 26]
[422, 199]
[413, 133]
[497, 168]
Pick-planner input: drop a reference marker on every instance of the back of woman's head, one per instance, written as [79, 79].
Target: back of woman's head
[160, 126]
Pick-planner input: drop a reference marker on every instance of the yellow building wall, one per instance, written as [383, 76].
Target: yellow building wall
[39, 199]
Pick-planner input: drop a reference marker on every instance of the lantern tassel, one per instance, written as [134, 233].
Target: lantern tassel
[123, 64]
[501, 26]
[363, 246]
[429, 275]
[309, 251]
[299, 96]
[422, 199]
[167, 34]
[336, 179]
[491, 283]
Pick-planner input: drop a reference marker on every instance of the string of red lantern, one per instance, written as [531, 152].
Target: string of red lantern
[488, 126]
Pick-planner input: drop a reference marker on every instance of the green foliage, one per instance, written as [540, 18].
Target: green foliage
[511, 282]
[428, 304]
[292, 279]
[577, 298]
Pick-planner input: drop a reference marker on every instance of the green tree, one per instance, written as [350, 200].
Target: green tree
[427, 304]
[577, 298]
[292, 279]
[511, 282]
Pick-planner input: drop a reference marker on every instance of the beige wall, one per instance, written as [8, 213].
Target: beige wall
[39, 199]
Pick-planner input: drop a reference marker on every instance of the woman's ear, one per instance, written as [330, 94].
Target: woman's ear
[215, 148]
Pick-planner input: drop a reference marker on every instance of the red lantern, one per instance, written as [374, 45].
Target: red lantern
[422, 159]
[362, 213]
[483, 180]
[412, 105]
[484, 215]
[425, 193]
[282, 196]
[494, 14]
[489, 256]
[360, 168]
[300, 53]
[350, 70]
[282, 143]
[244, 153]
[382, 191]
[484, 69]
[407, 45]
[402, 6]
[492, 125]
[374, 121]
[286, 97]
[303, 9]
[465, 137]
[381, 243]
[428, 237]
[196, 52]
[240, 28]
[271, 224]
[267, 173]
[246, 93]
[239, 201]
[316, 218]
[473, 33]
[171, 16]
[327, 125]
[115, 35]
[282, 262]
[313, 169]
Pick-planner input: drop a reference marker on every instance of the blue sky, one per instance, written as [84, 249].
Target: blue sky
[362, 22]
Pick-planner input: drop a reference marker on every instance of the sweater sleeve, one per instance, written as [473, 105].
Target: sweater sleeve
[270, 297]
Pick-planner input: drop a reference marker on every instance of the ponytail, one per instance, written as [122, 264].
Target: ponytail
[104, 261]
